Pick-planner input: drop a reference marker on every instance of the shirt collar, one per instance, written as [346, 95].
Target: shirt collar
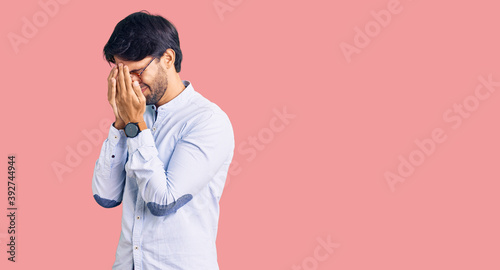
[180, 99]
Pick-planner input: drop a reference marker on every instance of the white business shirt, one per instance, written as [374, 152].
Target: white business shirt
[170, 179]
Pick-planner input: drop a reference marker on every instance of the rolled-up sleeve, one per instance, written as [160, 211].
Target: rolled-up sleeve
[108, 179]
[195, 160]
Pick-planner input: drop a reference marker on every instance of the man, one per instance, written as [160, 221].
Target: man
[166, 156]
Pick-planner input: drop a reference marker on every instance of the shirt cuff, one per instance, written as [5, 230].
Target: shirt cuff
[117, 136]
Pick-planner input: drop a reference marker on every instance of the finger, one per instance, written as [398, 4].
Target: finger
[112, 90]
[121, 88]
[117, 87]
[128, 80]
[111, 85]
[138, 92]
[115, 72]
[112, 73]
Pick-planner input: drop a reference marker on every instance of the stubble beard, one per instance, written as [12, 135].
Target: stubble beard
[158, 87]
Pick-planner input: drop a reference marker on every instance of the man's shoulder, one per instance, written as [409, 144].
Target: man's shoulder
[204, 120]
[202, 109]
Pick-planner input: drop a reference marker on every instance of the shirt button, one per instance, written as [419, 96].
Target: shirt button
[136, 247]
[154, 129]
[116, 137]
[138, 217]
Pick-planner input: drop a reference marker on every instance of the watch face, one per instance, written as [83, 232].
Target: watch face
[131, 130]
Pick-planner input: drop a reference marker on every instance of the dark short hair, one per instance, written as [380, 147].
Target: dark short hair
[141, 34]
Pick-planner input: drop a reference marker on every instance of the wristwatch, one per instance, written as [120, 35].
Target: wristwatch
[133, 129]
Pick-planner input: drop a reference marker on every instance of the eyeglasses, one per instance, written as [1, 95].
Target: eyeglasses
[140, 73]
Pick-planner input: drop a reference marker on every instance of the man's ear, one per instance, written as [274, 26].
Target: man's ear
[169, 58]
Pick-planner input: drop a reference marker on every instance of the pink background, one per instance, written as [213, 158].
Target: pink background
[320, 176]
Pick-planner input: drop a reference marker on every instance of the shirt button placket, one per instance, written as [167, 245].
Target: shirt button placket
[136, 233]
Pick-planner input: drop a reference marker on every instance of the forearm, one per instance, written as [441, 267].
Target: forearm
[159, 193]
[193, 163]
[109, 173]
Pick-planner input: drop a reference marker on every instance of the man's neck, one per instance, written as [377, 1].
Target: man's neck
[174, 88]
